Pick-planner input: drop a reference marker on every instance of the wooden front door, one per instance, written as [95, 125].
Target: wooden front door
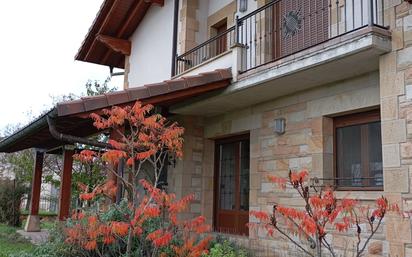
[232, 185]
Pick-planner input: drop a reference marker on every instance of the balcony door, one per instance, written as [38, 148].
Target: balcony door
[221, 43]
[298, 24]
[232, 185]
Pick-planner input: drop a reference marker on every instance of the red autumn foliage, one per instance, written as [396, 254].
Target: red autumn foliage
[86, 156]
[89, 231]
[143, 137]
[321, 213]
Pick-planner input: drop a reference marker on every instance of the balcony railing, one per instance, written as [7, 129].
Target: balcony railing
[209, 49]
[285, 27]
[350, 183]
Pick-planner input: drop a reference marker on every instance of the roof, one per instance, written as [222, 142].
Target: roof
[117, 19]
[73, 117]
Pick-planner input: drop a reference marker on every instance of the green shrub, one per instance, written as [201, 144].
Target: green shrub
[10, 200]
[225, 248]
[55, 247]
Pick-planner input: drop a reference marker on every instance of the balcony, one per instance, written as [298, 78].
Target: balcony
[324, 44]
[283, 28]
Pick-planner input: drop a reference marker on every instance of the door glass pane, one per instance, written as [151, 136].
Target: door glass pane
[375, 154]
[227, 176]
[349, 156]
[244, 175]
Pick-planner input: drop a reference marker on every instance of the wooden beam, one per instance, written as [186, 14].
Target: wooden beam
[156, 2]
[36, 185]
[116, 44]
[141, 6]
[66, 185]
[106, 20]
[33, 220]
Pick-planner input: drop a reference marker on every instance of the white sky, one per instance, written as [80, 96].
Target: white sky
[38, 42]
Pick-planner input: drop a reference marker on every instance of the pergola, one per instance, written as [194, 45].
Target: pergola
[68, 123]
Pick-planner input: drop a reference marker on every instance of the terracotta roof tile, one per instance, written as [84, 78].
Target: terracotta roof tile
[142, 93]
[118, 97]
[138, 92]
[158, 88]
[67, 108]
[225, 73]
[176, 84]
[93, 103]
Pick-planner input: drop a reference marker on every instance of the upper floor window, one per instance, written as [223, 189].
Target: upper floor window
[358, 151]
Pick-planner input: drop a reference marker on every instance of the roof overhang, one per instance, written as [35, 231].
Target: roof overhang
[346, 57]
[107, 42]
[73, 117]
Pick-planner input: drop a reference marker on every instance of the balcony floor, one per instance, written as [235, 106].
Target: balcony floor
[340, 58]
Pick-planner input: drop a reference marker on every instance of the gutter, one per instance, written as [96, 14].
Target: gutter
[24, 132]
[174, 46]
[73, 139]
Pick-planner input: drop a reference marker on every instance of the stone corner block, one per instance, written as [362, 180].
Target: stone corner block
[393, 131]
[391, 156]
[396, 180]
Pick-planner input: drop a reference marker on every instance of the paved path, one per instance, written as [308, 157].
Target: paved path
[36, 238]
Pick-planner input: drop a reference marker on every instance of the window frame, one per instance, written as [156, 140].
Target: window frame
[360, 118]
[216, 182]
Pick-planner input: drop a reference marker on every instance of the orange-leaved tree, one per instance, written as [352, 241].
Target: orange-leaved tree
[145, 141]
[322, 213]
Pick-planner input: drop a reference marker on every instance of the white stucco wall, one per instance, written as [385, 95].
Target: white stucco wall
[152, 43]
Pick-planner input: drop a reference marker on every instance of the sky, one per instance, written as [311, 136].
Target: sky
[38, 42]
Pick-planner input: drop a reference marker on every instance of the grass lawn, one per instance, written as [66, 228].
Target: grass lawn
[11, 242]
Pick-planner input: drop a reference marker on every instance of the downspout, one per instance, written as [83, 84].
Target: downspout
[174, 47]
[73, 139]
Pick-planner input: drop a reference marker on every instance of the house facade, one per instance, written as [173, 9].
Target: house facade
[262, 87]
[319, 85]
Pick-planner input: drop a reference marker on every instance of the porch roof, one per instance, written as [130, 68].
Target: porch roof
[116, 19]
[73, 117]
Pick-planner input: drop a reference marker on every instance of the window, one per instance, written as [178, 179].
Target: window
[232, 185]
[358, 151]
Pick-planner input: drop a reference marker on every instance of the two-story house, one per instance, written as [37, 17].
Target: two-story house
[263, 87]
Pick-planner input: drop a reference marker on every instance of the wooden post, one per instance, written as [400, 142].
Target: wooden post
[66, 184]
[33, 221]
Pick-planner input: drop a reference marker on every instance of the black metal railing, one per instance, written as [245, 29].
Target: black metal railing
[349, 183]
[209, 49]
[47, 204]
[285, 27]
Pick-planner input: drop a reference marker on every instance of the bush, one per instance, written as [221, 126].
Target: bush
[10, 196]
[225, 248]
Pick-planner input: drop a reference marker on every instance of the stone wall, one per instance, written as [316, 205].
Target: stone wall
[396, 109]
[307, 143]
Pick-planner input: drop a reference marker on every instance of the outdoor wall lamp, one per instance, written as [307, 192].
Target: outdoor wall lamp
[242, 5]
[280, 125]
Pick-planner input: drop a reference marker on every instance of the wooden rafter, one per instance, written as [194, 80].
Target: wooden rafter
[139, 7]
[116, 44]
[156, 2]
[106, 20]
